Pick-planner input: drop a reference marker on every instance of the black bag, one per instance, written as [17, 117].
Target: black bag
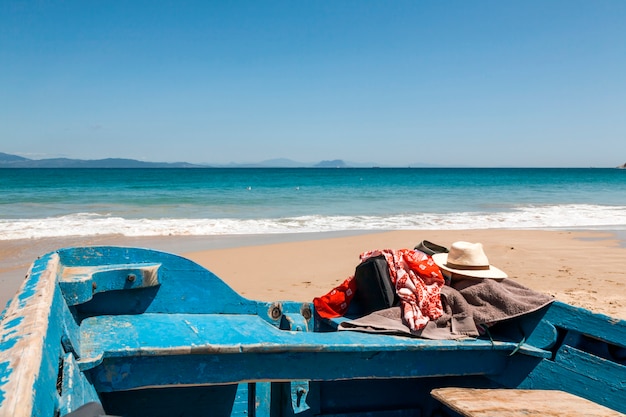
[374, 289]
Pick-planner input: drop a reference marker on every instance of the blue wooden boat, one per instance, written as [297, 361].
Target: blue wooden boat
[136, 332]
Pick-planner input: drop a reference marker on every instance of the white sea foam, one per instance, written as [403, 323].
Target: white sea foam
[542, 217]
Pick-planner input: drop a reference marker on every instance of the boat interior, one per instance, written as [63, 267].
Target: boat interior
[146, 333]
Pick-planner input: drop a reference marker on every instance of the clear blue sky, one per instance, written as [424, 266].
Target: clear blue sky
[481, 83]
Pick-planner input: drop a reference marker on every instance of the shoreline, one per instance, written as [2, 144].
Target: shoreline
[580, 267]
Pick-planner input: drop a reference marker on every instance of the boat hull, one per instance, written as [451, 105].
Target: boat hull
[143, 332]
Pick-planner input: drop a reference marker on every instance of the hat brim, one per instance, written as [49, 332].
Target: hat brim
[492, 273]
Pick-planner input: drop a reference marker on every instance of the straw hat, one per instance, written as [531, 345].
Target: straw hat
[468, 259]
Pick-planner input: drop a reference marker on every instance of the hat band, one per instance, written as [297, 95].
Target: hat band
[468, 267]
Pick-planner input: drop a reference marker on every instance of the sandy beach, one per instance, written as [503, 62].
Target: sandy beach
[584, 268]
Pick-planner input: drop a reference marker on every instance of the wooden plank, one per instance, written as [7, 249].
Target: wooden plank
[126, 373]
[131, 335]
[519, 403]
[126, 352]
[598, 326]
[27, 365]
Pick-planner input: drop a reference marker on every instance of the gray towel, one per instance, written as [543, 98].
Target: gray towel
[468, 303]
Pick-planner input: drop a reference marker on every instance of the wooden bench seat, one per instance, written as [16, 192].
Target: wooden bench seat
[470, 402]
[172, 334]
[259, 349]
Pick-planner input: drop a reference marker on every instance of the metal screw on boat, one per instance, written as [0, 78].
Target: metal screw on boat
[131, 278]
[276, 311]
[306, 311]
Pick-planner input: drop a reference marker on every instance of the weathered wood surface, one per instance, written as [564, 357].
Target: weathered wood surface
[519, 403]
[24, 356]
[125, 352]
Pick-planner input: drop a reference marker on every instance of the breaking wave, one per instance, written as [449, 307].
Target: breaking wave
[572, 216]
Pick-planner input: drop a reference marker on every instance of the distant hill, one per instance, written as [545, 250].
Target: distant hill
[5, 157]
[288, 163]
[335, 163]
[13, 161]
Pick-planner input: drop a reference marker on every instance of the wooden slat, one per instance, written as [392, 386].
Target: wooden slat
[130, 335]
[519, 403]
[131, 351]
[26, 362]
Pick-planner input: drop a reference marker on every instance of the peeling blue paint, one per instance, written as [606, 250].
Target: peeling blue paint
[9, 335]
[28, 291]
[32, 279]
[13, 323]
[8, 344]
[5, 372]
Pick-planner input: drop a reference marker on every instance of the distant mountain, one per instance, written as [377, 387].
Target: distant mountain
[288, 163]
[5, 157]
[335, 163]
[13, 161]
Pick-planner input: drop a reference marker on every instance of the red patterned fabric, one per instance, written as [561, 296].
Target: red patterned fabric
[418, 283]
[336, 302]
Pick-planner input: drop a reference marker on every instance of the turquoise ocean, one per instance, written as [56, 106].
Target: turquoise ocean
[38, 203]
